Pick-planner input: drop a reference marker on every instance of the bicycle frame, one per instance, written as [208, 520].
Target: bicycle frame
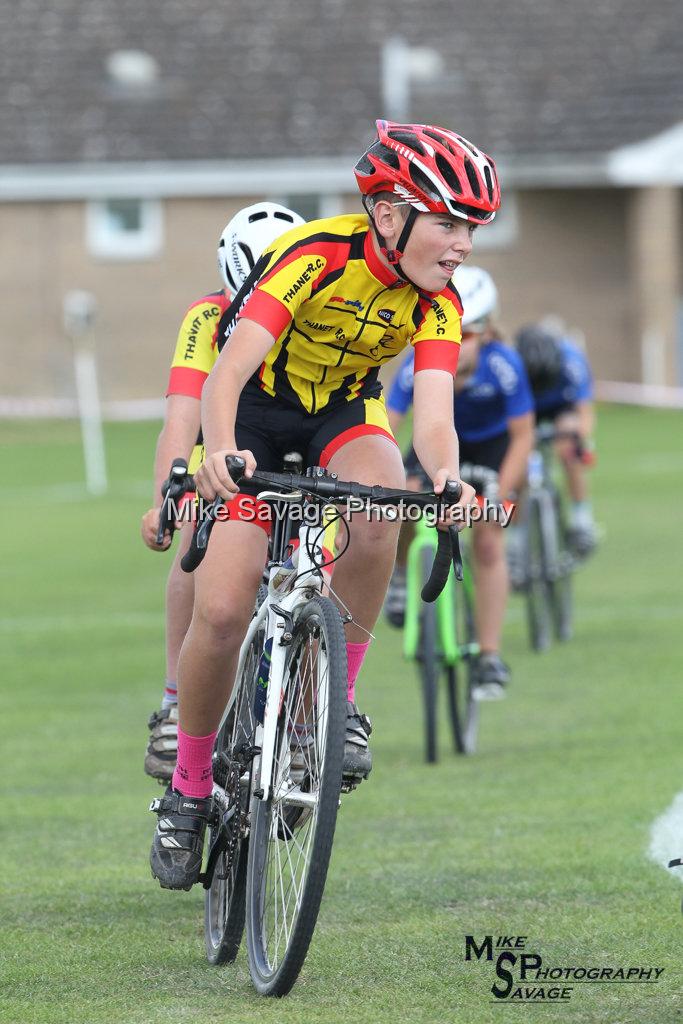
[451, 651]
[280, 610]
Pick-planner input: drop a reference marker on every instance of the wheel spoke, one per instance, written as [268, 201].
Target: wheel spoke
[305, 716]
[287, 839]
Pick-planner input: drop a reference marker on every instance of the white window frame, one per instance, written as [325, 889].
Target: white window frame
[104, 241]
[329, 204]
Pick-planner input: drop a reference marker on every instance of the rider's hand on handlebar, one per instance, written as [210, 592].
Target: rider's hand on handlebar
[149, 528]
[212, 478]
[468, 498]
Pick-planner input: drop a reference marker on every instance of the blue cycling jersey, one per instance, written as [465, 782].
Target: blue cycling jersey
[576, 382]
[497, 391]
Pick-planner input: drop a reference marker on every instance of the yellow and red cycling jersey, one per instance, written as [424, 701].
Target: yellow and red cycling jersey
[337, 313]
[196, 348]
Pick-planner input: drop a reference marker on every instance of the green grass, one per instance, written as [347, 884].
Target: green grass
[543, 833]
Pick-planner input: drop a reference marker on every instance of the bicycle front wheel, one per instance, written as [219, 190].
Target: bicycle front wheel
[463, 708]
[429, 660]
[224, 904]
[292, 831]
[562, 600]
[536, 564]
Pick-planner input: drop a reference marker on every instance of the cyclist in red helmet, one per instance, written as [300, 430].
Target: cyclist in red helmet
[325, 306]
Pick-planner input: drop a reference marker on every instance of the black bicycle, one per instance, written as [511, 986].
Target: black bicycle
[547, 559]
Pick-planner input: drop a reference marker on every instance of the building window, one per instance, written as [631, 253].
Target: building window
[312, 206]
[125, 229]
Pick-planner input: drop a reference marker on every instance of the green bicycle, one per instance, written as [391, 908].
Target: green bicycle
[441, 638]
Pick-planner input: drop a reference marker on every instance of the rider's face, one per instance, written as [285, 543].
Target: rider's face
[437, 245]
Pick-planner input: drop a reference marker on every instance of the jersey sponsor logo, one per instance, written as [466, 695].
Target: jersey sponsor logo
[505, 373]
[303, 280]
[348, 302]
[317, 326]
[386, 342]
[441, 318]
[386, 314]
[207, 314]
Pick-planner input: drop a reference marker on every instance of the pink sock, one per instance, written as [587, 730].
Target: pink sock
[354, 656]
[193, 775]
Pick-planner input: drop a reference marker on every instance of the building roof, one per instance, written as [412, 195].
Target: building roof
[567, 82]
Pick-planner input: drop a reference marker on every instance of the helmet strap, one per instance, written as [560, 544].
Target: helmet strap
[394, 255]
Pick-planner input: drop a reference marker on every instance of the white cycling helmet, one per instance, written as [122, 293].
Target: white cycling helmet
[478, 293]
[246, 236]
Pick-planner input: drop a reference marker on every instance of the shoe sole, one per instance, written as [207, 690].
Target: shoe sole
[175, 888]
[489, 695]
[161, 770]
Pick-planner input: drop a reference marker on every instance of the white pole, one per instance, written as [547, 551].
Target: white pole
[90, 414]
[79, 314]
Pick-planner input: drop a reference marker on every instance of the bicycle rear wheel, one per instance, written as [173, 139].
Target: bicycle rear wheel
[224, 904]
[292, 831]
[463, 708]
[429, 660]
[536, 584]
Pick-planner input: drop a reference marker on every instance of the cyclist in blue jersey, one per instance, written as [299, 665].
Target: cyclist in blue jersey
[494, 418]
[562, 386]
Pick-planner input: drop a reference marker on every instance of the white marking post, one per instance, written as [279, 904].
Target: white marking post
[79, 314]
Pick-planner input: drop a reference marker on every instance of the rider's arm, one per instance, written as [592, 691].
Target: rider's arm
[434, 437]
[192, 361]
[513, 468]
[177, 438]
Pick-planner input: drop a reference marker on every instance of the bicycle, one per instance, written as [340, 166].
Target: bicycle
[547, 562]
[280, 744]
[442, 637]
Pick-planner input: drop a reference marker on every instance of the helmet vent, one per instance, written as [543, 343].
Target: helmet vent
[489, 181]
[440, 139]
[422, 181]
[448, 174]
[408, 139]
[472, 178]
[260, 215]
[248, 255]
[365, 165]
[281, 215]
[386, 155]
[467, 145]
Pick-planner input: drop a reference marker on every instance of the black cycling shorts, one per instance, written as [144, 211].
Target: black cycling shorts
[270, 428]
[551, 414]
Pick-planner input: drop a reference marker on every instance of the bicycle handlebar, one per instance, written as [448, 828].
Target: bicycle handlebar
[330, 489]
[174, 487]
[547, 432]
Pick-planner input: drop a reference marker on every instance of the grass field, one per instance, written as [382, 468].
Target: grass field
[544, 833]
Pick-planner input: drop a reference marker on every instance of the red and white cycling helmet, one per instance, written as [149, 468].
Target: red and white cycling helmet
[432, 169]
